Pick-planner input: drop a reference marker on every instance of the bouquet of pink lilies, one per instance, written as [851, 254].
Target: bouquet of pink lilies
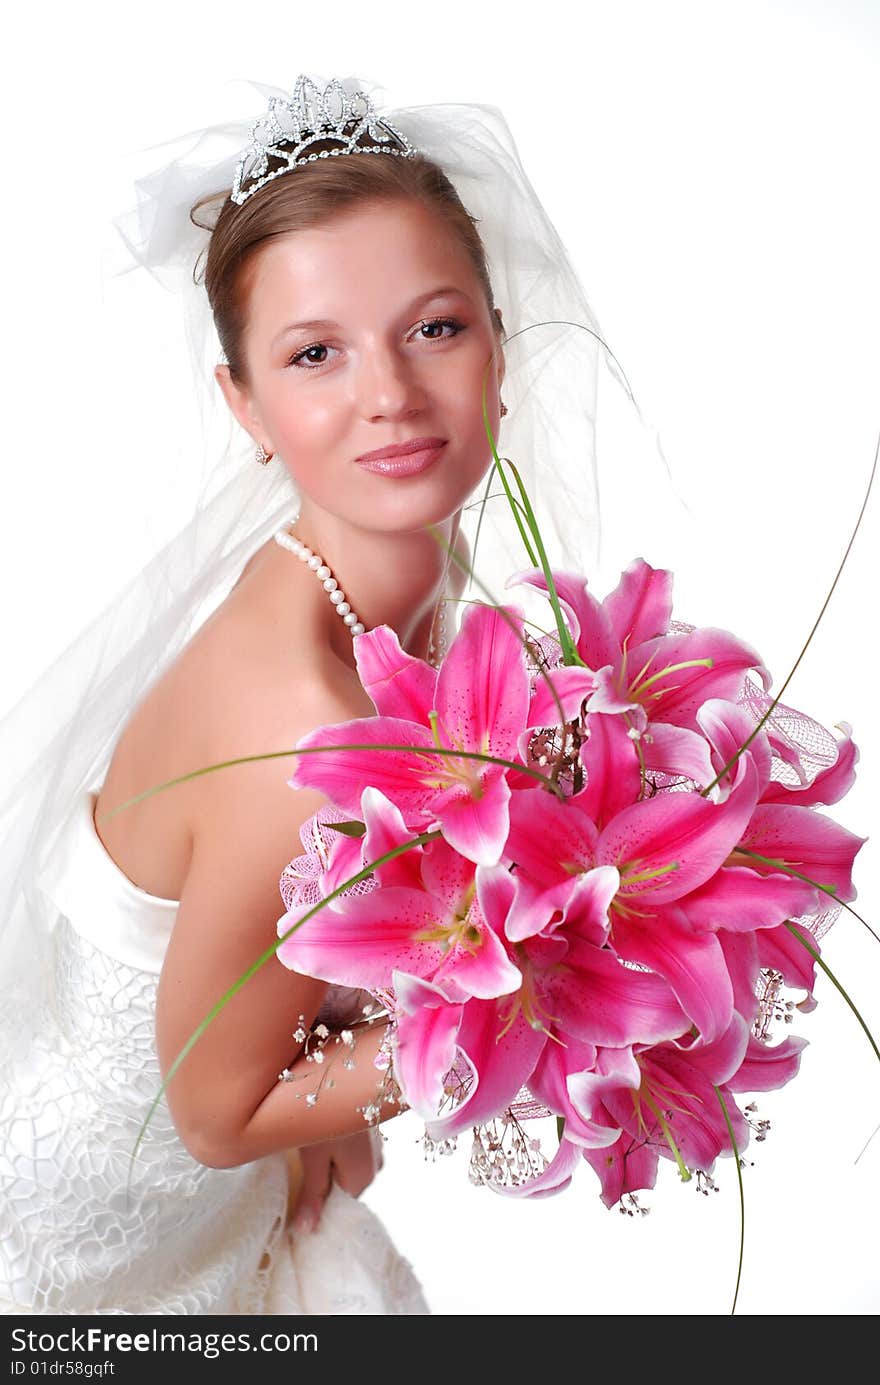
[577, 868]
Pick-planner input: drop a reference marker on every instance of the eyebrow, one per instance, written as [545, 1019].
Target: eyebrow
[321, 324]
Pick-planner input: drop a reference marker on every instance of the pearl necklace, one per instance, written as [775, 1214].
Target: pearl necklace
[436, 650]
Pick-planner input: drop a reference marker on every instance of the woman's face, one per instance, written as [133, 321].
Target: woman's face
[370, 330]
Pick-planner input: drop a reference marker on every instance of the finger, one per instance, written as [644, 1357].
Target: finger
[316, 1180]
[357, 1163]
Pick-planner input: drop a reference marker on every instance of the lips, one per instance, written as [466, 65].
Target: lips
[406, 459]
[401, 449]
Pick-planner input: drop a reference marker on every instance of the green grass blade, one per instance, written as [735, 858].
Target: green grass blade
[742, 1196]
[721, 773]
[834, 981]
[426, 751]
[826, 889]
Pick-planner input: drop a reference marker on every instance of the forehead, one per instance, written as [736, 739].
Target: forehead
[371, 251]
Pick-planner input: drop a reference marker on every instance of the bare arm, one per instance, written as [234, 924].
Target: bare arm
[226, 1098]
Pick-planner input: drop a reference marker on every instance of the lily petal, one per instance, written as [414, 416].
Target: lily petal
[590, 623]
[483, 685]
[386, 829]
[768, 1066]
[359, 946]
[427, 1026]
[599, 1000]
[549, 1082]
[343, 774]
[611, 764]
[478, 826]
[628, 1166]
[782, 952]
[692, 963]
[556, 1176]
[572, 685]
[501, 1065]
[810, 842]
[677, 696]
[829, 785]
[741, 900]
[676, 750]
[727, 727]
[399, 684]
[681, 830]
[640, 607]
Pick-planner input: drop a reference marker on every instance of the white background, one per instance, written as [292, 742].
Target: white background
[713, 170]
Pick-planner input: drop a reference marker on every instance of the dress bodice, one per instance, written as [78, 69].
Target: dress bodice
[100, 902]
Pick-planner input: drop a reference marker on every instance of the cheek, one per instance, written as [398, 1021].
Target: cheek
[461, 390]
[303, 420]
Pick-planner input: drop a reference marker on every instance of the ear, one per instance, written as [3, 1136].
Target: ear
[502, 364]
[242, 406]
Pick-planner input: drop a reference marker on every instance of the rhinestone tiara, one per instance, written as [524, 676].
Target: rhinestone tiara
[341, 122]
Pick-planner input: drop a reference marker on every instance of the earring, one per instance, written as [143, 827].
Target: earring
[262, 456]
[503, 408]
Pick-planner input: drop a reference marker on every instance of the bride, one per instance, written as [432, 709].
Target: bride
[352, 295]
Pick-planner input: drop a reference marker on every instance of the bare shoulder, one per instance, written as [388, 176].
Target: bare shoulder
[249, 693]
[249, 683]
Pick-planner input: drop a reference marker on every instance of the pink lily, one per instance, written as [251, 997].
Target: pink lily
[500, 1051]
[433, 927]
[571, 991]
[481, 701]
[573, 985]
[666, 1099]
[809, 842]
[549, 1083]
[663, 847]
[641, 669]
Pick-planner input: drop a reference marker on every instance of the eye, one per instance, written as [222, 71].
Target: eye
[301, 355]
[305, 361]
[441, 322]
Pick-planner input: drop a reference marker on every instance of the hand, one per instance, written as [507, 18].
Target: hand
[352, 1161]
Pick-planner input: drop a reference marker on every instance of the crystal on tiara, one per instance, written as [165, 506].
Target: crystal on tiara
[337, 121]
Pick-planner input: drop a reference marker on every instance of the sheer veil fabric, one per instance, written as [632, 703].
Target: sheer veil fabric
[58, 740]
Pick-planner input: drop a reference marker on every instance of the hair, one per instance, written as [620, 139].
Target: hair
[312, 195]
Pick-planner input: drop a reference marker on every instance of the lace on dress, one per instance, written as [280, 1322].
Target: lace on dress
[83, 1229]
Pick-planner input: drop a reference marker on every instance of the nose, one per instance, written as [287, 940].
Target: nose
[389, 385]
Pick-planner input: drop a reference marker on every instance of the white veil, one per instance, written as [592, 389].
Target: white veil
[59, 738]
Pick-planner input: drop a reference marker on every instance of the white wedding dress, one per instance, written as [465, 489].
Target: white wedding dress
[181, 1238]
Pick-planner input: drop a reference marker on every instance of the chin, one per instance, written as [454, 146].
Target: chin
[406, 513]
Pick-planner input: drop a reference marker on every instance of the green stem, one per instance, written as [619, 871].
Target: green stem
[683, 1170]
[817, 884]
[496, 467]
[721, 773]
[834, 981]
[742, 1196]
[427, 751]
[569, 651]
[503, 612]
